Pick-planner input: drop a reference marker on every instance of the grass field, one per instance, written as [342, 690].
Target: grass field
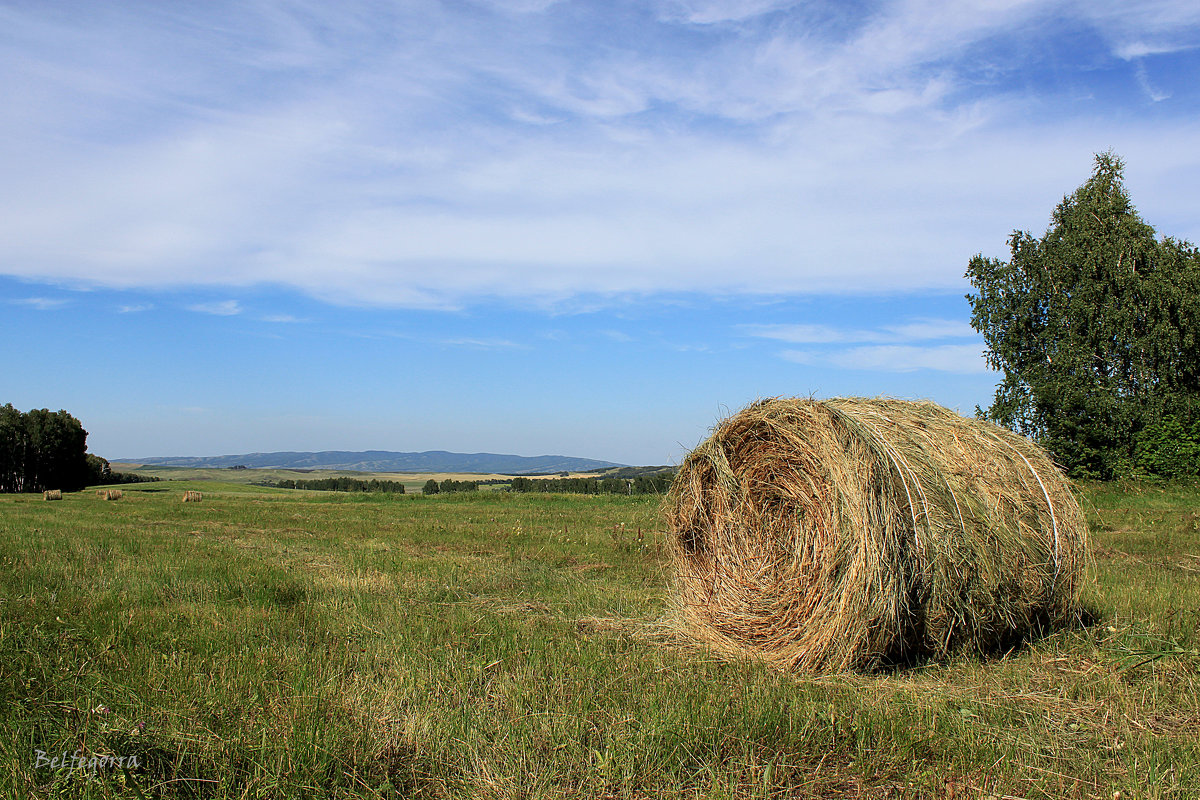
[272, 643]
[413, 481]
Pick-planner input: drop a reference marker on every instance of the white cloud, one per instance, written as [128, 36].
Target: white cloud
[915, 330]
[920, 329]
[404, 155]
[888, 348]
[1154, 94]
[956, 358]
[42, 303]
[221, 308]
[1131, 51]
[478, 342]
[707, 12]
[519, 6]
[1148, 27]
[809, 334]
[133, 309]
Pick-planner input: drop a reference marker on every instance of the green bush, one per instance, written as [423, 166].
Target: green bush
[1170, 449]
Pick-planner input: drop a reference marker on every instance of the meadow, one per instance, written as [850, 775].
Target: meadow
[275, 643]
[413, 481]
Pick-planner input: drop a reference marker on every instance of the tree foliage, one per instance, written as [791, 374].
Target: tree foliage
[41, 449]
[1095, 327]
[1169, 449]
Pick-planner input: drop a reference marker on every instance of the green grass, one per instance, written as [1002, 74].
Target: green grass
[268, 643]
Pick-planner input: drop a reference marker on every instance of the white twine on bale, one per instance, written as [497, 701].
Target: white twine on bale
[888, 449]
[924, 501]
[895, 457]
[1049, 505]
[1046, 494]
[962, 523]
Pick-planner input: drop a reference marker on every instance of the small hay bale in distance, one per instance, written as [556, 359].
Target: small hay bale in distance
[852, 533]
[192, 496]
[52, 494]
[112, 494]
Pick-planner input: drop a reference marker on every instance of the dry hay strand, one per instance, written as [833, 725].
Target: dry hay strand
[192, 496]
[52, 494]
[112, 494]
[852, 533]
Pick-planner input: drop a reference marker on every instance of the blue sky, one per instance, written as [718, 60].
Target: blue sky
[539, 226]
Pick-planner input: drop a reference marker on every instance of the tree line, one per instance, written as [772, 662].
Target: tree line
[100, 473]
[1095, 327]
[658, 483]
[342, 485]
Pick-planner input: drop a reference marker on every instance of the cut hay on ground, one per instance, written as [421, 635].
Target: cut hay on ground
[192, 496]
[850, 533]
[52, 494]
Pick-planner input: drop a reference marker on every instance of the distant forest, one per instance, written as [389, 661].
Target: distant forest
[342, 485]
[658, 483]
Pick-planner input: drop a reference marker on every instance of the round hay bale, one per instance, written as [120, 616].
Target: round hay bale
[850, 533]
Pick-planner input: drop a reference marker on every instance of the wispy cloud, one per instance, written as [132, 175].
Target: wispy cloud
[888, 348]
[220, 308]
[707, 12]
[519, 6]
[482, 343]
[957, 358]
[134, 309]
[42, 303]
[541, 152]
[1131, 51]
[914, 330]
[808, 334]
[1156, 95]
[282, 318]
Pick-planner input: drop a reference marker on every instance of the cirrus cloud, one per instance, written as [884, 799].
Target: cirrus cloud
[220, 308]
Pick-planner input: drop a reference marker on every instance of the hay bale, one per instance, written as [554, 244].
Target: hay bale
[192, 496]
[112, 494]
[850, 533]
[52, 494]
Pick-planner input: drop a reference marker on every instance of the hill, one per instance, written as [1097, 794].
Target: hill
[385, 461]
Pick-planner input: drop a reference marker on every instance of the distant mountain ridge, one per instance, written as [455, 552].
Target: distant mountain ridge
[384, 461]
